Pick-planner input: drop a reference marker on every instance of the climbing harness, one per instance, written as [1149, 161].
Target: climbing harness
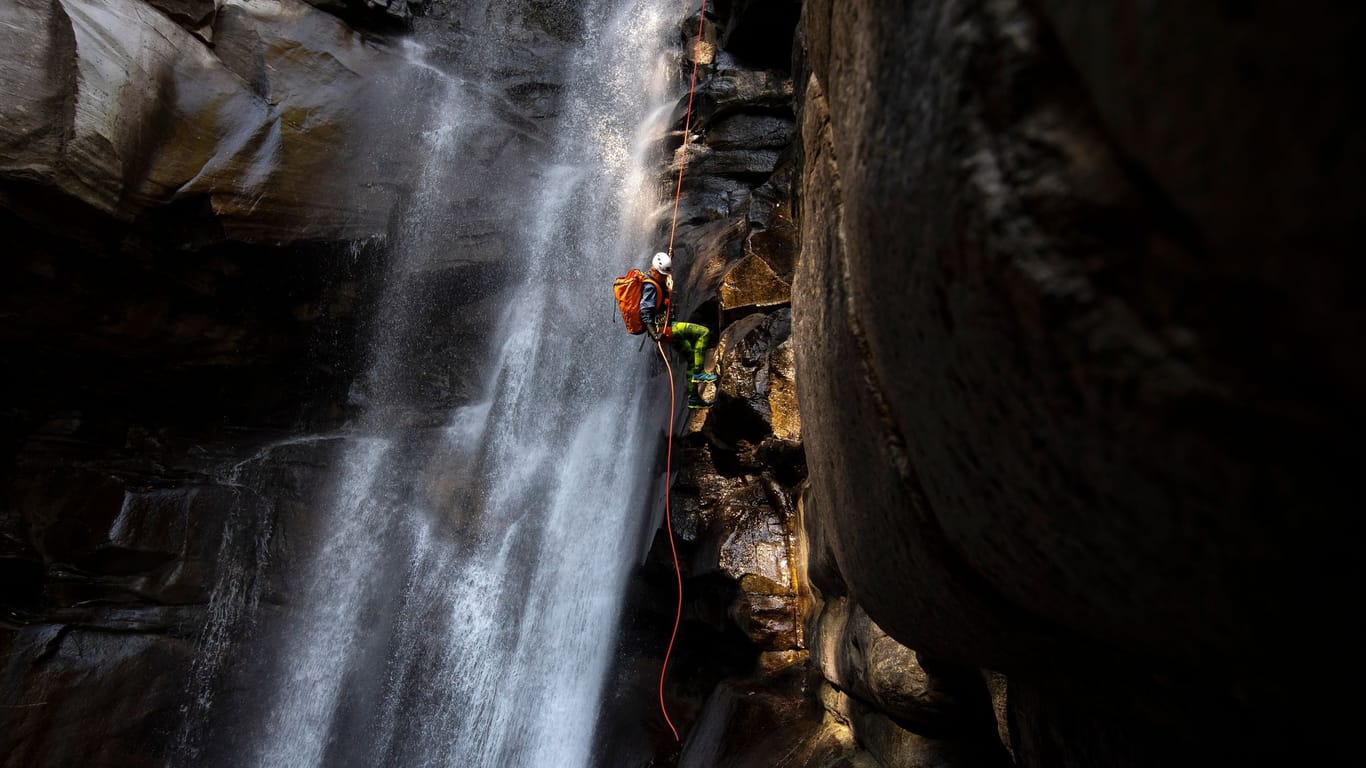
[669, 453]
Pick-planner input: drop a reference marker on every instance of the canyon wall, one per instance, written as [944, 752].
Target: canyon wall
[1035, 435]
[778, 665]
[1072, 331]
[199, 201]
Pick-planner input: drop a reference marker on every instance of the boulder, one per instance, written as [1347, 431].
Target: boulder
[752, 283]
[758, 373]
[890, 744]
[768, 614]
[864, 662]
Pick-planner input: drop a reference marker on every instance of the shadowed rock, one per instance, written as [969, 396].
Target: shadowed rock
[750, 132]
[1073, 335]
[190, 14]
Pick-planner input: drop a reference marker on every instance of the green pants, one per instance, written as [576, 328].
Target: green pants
[692, 341]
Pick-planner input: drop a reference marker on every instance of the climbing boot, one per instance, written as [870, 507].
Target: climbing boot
[704, 376]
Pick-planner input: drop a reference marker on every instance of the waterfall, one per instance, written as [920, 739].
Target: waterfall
[454, 597]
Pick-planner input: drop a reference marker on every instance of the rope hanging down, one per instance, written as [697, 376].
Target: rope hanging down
[669, 454]
[669, 526]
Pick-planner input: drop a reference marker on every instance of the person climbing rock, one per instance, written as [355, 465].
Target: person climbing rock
[691, 339]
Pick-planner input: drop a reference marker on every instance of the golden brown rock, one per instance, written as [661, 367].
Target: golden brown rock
[752, 283]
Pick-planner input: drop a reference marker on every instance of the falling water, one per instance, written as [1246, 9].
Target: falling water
[455, 598]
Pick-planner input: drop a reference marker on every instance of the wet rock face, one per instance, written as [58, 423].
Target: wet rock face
[246, 120]
[199, 202]
[740, 462]
[757, 376]
[863, 662]
[134, 387]
[125, 111]
[139, 566]
[809, 679]
[1074, 360]
[70, 657]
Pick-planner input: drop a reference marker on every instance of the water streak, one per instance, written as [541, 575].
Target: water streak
[456, 599]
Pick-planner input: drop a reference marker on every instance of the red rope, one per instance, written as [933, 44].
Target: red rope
[669, 457]
[669, 526]
[687, 124]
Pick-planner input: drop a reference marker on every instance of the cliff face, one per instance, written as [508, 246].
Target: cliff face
[770, 671]
[1074, 341]
[1072, 332]
[1035, 436]
[253, 121]
[199, 203]
[125, 108]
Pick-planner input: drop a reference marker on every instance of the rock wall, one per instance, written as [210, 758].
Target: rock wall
[259, 121]
[238, 111]
[200, 202]
[1073, 332]
[771, 672]
[1072, 337]
[1062, 292]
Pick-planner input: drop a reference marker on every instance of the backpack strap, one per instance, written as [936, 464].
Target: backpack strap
[662, 299]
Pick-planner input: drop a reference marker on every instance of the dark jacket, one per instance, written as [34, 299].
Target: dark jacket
[650, 301]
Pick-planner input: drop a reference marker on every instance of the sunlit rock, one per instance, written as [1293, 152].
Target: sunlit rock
[892, 745]
[752, 283]
[758, 373]
[767, 614]
[998, 687]
[746, 725]
[755, 544]
[783, 411]
[122, 109]
[859, 658]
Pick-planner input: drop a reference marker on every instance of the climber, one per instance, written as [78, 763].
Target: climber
[691, 339]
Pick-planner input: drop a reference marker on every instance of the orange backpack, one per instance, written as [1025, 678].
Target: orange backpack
[627, 289]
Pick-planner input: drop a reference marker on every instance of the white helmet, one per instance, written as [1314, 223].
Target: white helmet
[662, 262]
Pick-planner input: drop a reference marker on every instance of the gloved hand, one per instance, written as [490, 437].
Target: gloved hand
[650, 329]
